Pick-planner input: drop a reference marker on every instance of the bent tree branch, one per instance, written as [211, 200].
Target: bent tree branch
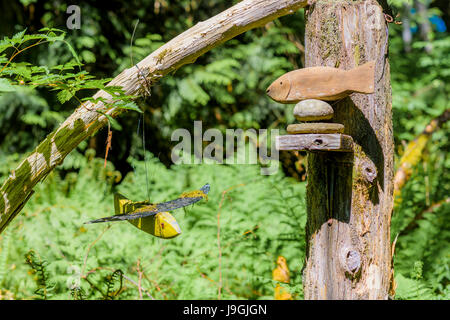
[86, 120]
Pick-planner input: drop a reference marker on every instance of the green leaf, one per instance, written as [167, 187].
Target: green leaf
[192, 92]
[3, 46]
[51, 29]
[113, 122]
[130, 106]
[64, 96]
[88, 56]
[19, 35]
[74, 54]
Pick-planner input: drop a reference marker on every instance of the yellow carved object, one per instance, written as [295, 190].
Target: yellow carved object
[153, 218]
[162, 225]
[281, 274]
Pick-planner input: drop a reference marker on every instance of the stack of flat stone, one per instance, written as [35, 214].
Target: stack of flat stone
[314, 110]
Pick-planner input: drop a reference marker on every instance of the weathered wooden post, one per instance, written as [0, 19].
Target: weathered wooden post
[349, 173]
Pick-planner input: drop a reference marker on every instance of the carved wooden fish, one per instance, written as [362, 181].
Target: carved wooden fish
[323, 83]
[153, 218]
[162, 224]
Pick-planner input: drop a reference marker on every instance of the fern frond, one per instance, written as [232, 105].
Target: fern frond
[38, 266]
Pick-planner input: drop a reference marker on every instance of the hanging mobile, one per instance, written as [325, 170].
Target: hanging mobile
[153, 218]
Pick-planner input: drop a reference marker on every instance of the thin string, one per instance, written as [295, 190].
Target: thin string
[105, 192]
[145, 156]
[137, 134]
[143, 119]
[131, 42]
[131, 60]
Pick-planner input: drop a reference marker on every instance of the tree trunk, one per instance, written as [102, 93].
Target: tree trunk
[350, 195]
[86, 120]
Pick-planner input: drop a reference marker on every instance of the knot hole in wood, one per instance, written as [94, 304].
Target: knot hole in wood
[318, 142]
[350, 260]
[368, 170]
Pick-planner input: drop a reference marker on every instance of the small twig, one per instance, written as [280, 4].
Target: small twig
[392, 284]
[93, 285]
[134, 283]
[108, 143]
[155, 284]
[51, 244]
[218, 236]
[22, 50]
[393, 246]
[205, 276]
[139, 272]
[123, 275]
[390, 19]
[158, 255]
[91, 245]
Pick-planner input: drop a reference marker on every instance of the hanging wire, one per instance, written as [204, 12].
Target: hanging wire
[139, 121]
[131, 42]
[106, 189]
[144, 151]
[137, 134]
[145, 156]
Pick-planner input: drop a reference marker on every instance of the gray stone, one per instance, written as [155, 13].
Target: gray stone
[313, 110]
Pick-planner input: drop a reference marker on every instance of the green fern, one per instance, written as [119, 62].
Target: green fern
[114, 285]
[4, 253]
[78, 294]
[39, 269]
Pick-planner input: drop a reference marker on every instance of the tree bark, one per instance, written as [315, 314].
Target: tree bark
[86, 119]
[350, 196]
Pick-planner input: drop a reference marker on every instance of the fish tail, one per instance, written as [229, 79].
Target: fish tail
[362, 78]
[99, 220]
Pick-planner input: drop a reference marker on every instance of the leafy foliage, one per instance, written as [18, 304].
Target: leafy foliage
[256, 224]
[38, 268]
[19, 79]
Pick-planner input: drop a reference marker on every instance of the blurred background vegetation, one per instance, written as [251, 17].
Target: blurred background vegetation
[47, 253]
